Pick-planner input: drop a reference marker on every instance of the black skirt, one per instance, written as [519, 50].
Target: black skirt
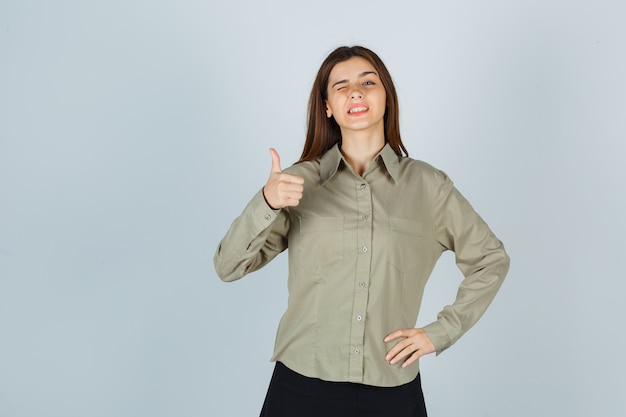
[291, 394]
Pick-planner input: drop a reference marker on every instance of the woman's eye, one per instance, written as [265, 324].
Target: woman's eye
[368, 83]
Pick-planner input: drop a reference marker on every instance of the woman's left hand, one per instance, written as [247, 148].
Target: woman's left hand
[415, 343]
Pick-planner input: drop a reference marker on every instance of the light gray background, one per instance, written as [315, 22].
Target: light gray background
[133, 132]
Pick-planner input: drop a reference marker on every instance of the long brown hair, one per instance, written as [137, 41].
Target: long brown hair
[323, 132]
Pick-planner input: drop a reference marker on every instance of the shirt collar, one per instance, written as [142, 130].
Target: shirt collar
[330, 161]
[391, 160]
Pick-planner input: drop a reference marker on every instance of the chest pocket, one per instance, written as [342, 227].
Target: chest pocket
[404, 242]
[321, 241]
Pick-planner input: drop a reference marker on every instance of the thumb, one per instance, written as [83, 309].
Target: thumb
[275, 161]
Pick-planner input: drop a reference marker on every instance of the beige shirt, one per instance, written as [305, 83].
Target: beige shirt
[360, 252]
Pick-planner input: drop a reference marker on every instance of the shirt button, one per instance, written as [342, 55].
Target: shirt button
[364, 217]
[363, 186]
[359, 318]
[357, 351]
[364, 249]
[268, 216]
[362, 284]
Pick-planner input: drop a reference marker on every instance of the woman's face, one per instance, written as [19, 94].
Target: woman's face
[356, 97]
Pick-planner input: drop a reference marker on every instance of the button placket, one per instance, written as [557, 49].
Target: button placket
[363, 243]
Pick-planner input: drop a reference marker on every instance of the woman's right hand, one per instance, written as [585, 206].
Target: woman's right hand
[282, 190]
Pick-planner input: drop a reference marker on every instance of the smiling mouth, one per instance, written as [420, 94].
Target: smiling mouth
[357, 110]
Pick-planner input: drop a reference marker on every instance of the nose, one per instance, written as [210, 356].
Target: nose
[356, 93]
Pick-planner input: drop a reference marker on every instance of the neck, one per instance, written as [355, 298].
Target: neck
[359, 149]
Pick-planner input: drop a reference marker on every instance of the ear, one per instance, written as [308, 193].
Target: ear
[329, 112]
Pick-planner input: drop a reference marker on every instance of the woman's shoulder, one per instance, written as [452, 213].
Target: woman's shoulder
[306, 169]
[422, 169]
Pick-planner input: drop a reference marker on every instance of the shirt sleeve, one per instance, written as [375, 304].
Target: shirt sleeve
[479, 255]
[256, 237]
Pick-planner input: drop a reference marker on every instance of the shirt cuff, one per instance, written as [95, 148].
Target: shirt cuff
[261, 212]
[438, 335]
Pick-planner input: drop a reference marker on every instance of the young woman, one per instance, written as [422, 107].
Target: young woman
[365, 225]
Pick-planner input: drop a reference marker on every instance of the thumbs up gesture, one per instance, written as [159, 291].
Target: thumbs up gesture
[282, 190]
